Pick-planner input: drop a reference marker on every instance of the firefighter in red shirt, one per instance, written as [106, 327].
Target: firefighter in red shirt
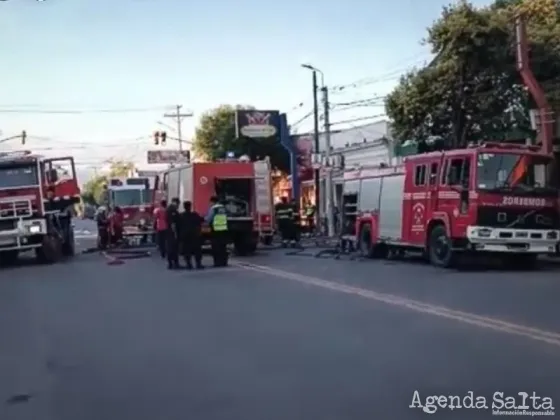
[117, 222]
[161, 225]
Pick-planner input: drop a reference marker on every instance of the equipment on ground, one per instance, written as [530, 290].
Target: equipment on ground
[37, 198]
[490, 198]
[244, 187]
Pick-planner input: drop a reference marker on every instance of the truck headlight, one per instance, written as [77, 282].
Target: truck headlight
[34, 229]
[484, 233]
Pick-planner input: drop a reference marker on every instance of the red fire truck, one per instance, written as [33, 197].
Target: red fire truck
[490, 198]
[244, 186]
[134, 196]
[37, 196]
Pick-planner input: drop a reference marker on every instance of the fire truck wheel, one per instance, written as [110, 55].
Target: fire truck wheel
[51, 250]
[439, 248]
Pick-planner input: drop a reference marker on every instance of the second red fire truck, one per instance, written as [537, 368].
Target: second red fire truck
[244, 187]
[491, 198]
[134, 196]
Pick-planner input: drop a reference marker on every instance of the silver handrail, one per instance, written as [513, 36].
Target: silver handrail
[16, 209]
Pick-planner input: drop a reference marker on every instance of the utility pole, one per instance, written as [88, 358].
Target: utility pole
[178, 117]
[317, 173]
[328, 166]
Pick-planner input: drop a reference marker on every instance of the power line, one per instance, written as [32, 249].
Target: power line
[82, 111]
[353, 120]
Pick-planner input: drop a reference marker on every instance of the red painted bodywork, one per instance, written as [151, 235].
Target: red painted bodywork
[65, 189]
[134, 214]
[204, 175]
[441, 202]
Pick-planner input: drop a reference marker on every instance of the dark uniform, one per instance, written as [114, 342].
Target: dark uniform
[172, 236]
[296, 221]
[284, 217]
[191, 236]
[218, 224]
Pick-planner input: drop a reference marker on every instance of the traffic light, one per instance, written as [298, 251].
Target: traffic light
[23, 136]
[156, 138]
[163, 137]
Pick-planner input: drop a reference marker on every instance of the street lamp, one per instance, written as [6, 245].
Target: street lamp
[316, 177]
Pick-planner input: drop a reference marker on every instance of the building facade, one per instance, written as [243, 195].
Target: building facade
[364, 145]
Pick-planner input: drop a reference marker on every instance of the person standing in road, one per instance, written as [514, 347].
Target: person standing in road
[284, 217]
[217, 219]
[160, 221]
[296, 220]
[173, 235]
[191, 233]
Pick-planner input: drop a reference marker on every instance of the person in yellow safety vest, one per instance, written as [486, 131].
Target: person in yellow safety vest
[310, 216]
[217, 219]
[284, 216]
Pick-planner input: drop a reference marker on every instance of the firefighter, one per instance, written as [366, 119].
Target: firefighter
[191, 232]
[160, 225]
[116, 225]
[284, 217]
[217, 219]
[296, 218]
[310, 217]
[172, 235]
[102, 222]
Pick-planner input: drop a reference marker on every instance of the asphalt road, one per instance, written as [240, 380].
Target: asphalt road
[271, 337]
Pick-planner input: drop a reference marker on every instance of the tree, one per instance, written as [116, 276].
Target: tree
[472, 88]
[215, 136]
[91, 191]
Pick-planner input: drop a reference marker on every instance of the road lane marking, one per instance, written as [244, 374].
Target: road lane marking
[549, 337]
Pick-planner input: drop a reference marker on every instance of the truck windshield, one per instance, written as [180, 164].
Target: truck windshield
[125, 198]
[18, 176]
[506, 170]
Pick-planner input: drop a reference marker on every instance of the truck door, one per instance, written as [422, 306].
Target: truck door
[453, 197]
[434, 171]
[418, 204]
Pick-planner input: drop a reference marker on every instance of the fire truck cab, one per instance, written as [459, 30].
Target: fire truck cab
[243, 186]
[134, 196]
[37, 196]
[492, 198]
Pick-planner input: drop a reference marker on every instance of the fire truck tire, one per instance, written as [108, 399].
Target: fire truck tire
[51, 250]
[8, 258]
[440, 251]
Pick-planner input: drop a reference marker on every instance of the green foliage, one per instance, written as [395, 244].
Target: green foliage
[215, 136]
[472, 89]
[92, 190]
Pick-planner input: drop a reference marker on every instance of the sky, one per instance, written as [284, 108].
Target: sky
[146, 56]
